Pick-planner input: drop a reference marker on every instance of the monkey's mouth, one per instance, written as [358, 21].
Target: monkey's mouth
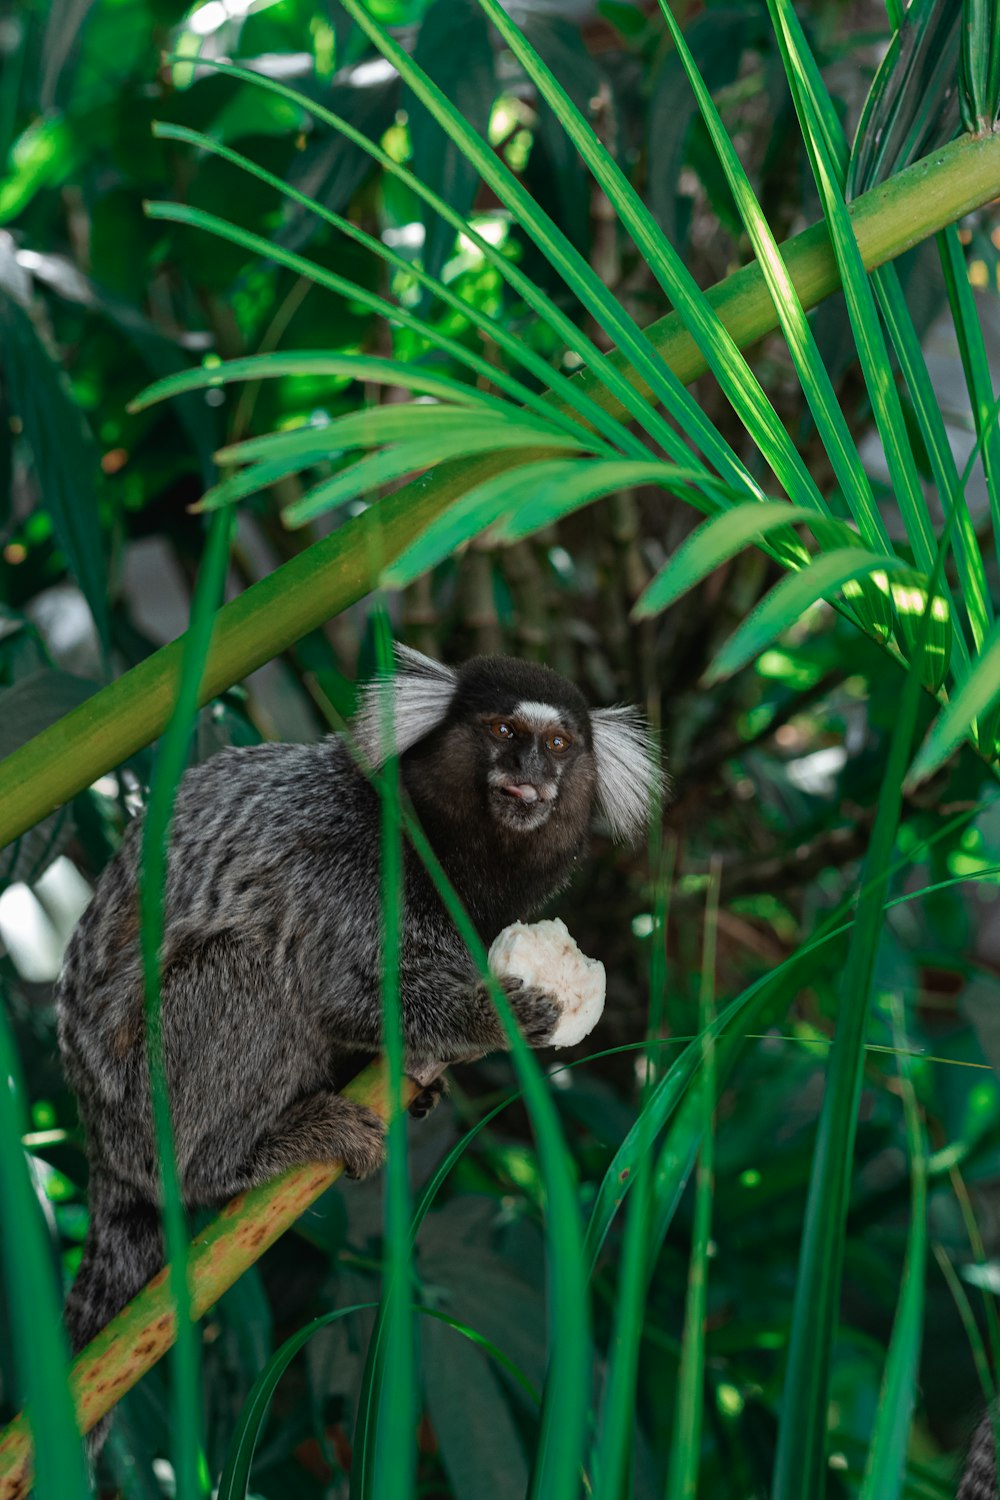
[521, 804]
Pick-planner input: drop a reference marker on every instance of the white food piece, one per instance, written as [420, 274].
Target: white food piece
[544, 955]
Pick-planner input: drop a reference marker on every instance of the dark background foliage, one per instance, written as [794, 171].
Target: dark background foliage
[776, 771]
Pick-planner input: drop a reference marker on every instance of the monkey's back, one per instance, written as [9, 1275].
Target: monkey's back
[272, 900]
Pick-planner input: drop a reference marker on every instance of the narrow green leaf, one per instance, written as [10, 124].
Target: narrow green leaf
[874, 357]
[395, 1448]
[912, 106]
[715, 542]
[980, 71]
[564, 1402]
[788, 601]
[973, 698]
[975, 364]
[616, 1419]
[885, 1472]
[236, 1473]
[289, 364]
[549, 503]
[481, 1448]
[370, 427]
[974, 593]
[169, 767]
[407, 458]
[800, 1464]
[33, 1301]
[235, 1478]
[685, 1447]
[478, 508]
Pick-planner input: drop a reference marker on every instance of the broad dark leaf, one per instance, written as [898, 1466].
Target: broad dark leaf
[470, 1413]
[63, 452]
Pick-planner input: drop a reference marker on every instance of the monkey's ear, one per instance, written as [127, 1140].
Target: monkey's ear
[406, 706]
[628, 770]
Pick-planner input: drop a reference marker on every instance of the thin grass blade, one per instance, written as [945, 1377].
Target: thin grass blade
[289, 364]
[393, 312]
[169, 768]
[616, 1420]
[975, 364]
[685, 1448]
[559, 1451]
[599, 478]
[816, 384]
[885, 1472]
[395, 1456]
[974, 697]
[33, 1301]
[715, 542]
[396, 462]
[530, 497]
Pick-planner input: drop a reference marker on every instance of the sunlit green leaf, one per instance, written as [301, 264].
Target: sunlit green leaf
[788, 601]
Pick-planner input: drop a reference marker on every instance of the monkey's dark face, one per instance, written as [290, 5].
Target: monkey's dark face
[527, 753]
[515, 743]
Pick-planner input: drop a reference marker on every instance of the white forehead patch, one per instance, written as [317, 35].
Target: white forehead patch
[404, 708]
[538, 715]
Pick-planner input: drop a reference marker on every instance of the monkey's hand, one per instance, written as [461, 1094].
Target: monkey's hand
[544, 957]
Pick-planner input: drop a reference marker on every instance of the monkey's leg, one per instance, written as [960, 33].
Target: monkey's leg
[322, 1127]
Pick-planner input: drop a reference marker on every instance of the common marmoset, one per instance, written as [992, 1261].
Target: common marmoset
[270, 962]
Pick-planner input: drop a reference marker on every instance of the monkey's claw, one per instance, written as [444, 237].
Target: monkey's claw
[427, 1099]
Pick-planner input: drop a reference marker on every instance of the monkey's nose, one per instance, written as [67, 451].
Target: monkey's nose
[522, 789]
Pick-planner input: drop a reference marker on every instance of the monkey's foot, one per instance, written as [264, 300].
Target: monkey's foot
[322, 1127]
[363, 1144]
[545, 957]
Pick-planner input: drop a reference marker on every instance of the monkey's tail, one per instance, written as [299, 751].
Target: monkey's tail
[123, 1249]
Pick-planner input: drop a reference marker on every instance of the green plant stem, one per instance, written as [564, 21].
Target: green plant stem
[146, 1328]
[335, 572]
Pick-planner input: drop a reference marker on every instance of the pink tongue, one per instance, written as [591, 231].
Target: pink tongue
[520, 789]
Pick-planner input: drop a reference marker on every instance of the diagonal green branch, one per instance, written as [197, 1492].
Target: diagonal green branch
[145, 1329]
[335, 572]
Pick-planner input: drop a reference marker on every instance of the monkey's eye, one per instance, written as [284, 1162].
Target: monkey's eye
[558, 743]
[501, 730]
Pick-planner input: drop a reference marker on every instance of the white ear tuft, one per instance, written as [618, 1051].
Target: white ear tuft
[407, 706]
[627, 769]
